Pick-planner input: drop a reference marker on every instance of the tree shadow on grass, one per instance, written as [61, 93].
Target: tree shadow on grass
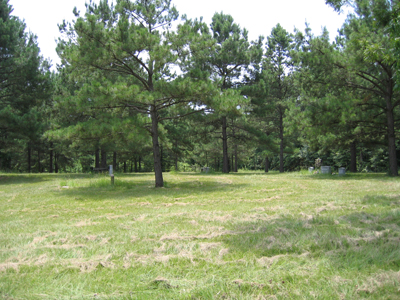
[381, 200]
[352, 176]
[124, 188]
[351, 241]
[239, 174]
[133, 174]
[10, 179]
[306, 175]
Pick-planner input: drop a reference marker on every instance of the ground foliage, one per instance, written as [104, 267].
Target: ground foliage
[222, 236]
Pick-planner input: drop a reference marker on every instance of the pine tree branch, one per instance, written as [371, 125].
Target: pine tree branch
[181, 116]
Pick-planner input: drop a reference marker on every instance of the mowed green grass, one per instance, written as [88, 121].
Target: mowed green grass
[203, 236]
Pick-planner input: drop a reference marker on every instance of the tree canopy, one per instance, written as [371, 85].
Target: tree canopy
[154, 92]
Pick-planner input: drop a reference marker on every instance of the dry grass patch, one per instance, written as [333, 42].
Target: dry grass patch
[16, 262]
[207, 247]
[235, 236]
[87, 266]
[85, 223]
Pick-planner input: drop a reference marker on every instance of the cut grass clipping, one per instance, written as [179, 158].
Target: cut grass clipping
[204, 236]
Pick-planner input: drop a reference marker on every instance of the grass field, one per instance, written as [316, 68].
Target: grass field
[203, 236]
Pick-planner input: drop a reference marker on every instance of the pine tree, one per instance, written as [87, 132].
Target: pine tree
[233, 54]
[270, 90]
[371, 63]
[129, 54]
[24, 84]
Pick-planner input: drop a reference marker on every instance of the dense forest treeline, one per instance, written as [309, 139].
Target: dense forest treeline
[143, 90]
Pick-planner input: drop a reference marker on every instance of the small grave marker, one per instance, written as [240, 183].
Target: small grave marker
[326, 170]
[111, 174]
[110, 169]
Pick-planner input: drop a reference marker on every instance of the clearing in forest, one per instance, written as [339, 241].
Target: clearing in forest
[204, 236]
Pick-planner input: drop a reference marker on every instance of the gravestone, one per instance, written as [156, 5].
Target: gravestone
[110, 169]
[111, 174]
[342, 171]
[326, 170]
[205, 169]
[311, 169]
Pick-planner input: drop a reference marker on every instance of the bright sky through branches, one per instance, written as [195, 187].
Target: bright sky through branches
[258, 17]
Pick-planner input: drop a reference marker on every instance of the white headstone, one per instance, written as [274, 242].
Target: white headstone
[326, 170]
[110, 170]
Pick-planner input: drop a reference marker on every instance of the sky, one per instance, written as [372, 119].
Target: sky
[258, 17]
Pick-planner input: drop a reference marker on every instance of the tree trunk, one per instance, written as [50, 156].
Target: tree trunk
[234, 154]
[136, 166]
[97, 159]
[281, 143]
[176, 155]
[39, 164]
[140, 164]
[361, 160]
[225, 159]
[393, 169]
[236, 159]
[29, 158]
[162, 161]
[124, 166]
[115, 161]
[266, 164]
[56, 163]
[131, 167]
[156, 149]
[353, 157]
[51, 158]
[103, 159]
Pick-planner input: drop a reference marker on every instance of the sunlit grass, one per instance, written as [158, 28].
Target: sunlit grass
[204, 236]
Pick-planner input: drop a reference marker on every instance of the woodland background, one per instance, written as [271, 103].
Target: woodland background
[147, 91]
